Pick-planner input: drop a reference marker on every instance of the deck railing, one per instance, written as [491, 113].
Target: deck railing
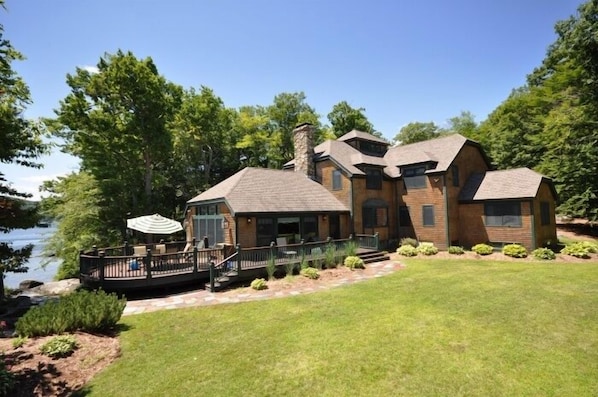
[123, 262]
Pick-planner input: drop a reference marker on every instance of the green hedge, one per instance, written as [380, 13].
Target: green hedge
[86, 311]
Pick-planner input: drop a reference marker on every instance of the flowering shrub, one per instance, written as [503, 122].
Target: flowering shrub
[259, 284]
[581, 249]
[409, 241]
[427, 249]
[59, 346]
[456, 250]
[514, 250]
[354, 262]
[310, 272]
[482, 249]
[544, 253]
[407, 250]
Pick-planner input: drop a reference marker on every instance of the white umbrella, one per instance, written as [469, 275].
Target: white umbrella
[154, 224]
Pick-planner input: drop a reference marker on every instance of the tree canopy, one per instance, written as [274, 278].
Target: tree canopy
[344, 118]
[416, 132]
[20, 143]
[550, 123]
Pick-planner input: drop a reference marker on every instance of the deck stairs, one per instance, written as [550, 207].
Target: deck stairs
[223, 281]
[226, 278]
[376, 256]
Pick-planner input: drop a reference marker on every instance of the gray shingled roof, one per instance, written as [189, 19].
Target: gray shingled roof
[440, 150]
[518, 183]
[261, 190]
[362, 136]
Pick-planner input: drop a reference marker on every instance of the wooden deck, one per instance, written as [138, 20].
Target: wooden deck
[131, 272]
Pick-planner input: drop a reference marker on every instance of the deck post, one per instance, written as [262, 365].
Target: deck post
[95, 250]
[126, 248]
[302, 251]
[238, 247]
[81, 272]
[212, 271]
[102, 263]
[377, 241]
[194, 257]
[148, 263]
[273, 252]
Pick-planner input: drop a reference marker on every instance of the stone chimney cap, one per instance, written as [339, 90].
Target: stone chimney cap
[303, 125]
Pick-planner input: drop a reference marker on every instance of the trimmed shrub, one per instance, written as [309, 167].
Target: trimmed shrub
[580, 249]
[93, 312]
[544, 253]
[482, 249]
[354, 262]
[259, 284]
[427, 249]
[409, 241]
[407, 250]
[456, 250]
[310, 272]
[59, 346]
[514, 250]
[350, 248]
[592, 248]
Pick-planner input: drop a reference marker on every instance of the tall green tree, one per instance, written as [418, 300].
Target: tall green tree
[463, 124]
[550, 124]
[117, 121]
[344, 118]
[204, 144]
[256, 142]
[286, 112]
[20, 143]
[74, 201]
[416, 132]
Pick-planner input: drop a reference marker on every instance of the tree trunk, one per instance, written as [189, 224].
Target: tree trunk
[2, 296]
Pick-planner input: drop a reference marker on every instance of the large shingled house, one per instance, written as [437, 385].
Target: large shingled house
[442, 191]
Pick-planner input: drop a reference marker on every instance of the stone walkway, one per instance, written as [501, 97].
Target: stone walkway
[204, 298]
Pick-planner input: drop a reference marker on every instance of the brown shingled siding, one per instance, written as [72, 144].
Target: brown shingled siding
[521, 235]
[229, 233]
[361, 194]
[415, 199]
[473, 230]
[471, 226]
[246, 232]
[469, 161]
[324, 171]
[544, 234]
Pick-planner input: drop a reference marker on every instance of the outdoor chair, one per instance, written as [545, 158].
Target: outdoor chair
[160, 249]
[281, 243]
[139, 253]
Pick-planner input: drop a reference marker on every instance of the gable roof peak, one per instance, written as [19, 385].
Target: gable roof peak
[361, 135]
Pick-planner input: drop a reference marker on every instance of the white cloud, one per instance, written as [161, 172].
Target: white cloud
[30, 184]
[91, 69]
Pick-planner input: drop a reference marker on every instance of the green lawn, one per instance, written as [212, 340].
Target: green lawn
[438, 328]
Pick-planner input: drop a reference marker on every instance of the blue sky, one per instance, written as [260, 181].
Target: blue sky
[401, 60]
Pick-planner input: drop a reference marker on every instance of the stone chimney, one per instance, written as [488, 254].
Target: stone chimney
[303, 139]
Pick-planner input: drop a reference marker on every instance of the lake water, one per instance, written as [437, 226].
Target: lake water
[35, 236]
